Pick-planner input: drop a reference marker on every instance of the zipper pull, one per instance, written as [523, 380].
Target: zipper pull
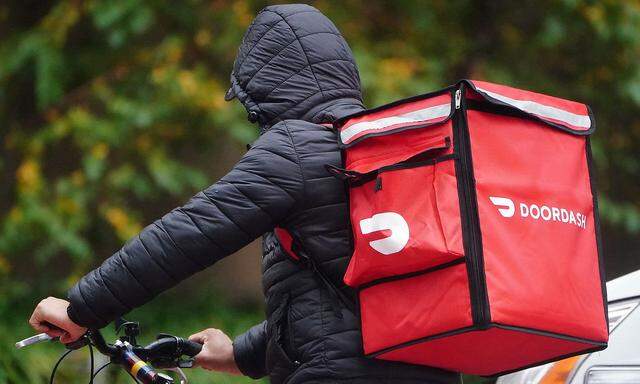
[458, 98]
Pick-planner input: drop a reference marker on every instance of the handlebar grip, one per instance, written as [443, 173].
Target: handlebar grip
[190, 348]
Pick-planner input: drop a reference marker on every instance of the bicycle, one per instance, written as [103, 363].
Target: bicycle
[141, 362]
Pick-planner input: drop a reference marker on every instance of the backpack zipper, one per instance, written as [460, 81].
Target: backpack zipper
[477, 281]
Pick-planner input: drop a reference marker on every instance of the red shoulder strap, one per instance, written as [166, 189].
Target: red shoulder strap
[286, 240]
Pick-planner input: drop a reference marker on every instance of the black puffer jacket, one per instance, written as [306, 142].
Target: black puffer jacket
[293, 71]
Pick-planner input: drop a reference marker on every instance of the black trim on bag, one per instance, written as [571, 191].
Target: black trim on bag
[407, 164]
[407, 275]
[558, 358]
[540, 332]
[397, 130]
[596, 225]
[506, 110]
[416, 160]
[469, 220]
[463, 158]
[423, 340]
[561, 127]
[338, 123]
[474, 328]
[596, 345]
[499, 109]
[356, 179]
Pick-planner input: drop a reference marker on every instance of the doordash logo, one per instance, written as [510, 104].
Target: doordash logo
[387, 221]
[507, 208]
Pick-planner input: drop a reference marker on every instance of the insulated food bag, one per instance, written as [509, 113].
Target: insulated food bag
[475, 227]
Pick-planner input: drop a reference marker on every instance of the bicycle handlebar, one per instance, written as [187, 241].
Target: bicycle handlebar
[167, 348]
[166, 352]
[97, 340]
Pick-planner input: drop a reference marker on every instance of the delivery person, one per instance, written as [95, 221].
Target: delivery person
[293, 72]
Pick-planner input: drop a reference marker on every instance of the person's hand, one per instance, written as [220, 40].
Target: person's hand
[217, 351]
[50, 317]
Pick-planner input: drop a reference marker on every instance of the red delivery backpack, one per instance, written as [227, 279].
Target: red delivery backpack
[475, 227]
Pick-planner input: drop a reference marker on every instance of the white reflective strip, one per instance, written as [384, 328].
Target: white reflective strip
[410, 117]
[542, 110]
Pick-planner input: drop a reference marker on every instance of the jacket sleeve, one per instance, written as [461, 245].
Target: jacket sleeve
[249, 350]
[259, 192]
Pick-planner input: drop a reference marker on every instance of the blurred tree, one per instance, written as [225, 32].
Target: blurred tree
[111, 112]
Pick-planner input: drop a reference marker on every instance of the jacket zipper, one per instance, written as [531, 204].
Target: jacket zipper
[479, 305]
[293, 352]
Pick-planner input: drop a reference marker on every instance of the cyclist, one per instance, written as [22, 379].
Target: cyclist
[293, 73]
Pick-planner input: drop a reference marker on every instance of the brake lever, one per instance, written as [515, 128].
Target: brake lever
[41, 337]
[186, 363]
[34, 340]
[172, 363]
[180, 372]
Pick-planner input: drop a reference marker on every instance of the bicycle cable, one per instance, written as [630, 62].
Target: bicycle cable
[99, 370]
[91, 364]
[55, 367]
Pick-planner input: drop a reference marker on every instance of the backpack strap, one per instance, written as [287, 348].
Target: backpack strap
[286, 240]
[290, 247]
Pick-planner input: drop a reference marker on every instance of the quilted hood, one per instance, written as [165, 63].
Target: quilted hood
[293, 63]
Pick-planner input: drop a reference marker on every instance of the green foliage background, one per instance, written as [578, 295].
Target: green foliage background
[112, 112]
